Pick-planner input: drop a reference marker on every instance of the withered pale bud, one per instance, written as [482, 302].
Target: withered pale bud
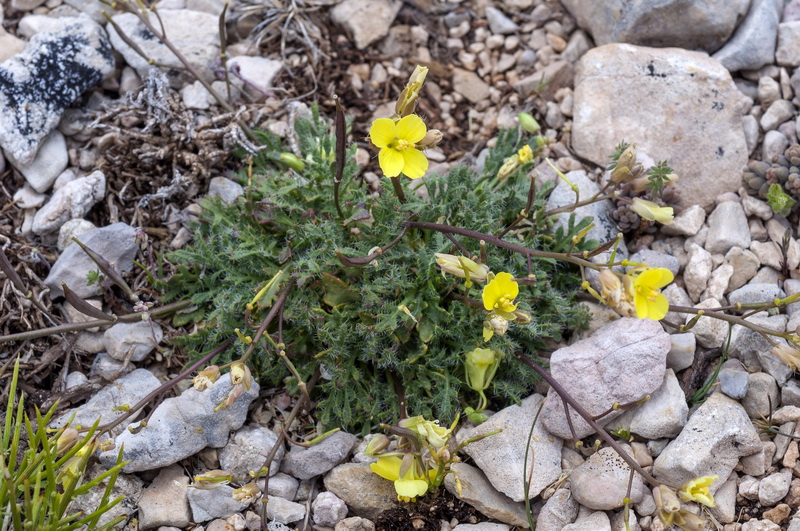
[666, 499]
[499, 325]
[240, 374]
[206, 378]
[246, 493]
[377, 444]
[788, 355]
[431, 139]
[212, 479]
[233, 396]
[66, 441]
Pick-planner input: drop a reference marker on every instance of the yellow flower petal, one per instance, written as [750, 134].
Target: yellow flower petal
[391, 162]
[500, 293]
[382, 132]
[411, 128]
[411, 488]
[387, 467]
[414, 162]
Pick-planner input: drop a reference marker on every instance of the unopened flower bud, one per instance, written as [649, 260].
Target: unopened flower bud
[510, 164]
[481, 365]
[377, 444]
[528, 122]
[246, 493]
[212, 479]
[107, 445]
[431, 139]
[293, 161]
[522, 317]
[66, 441]
[240, 374]
[206, 378]
[462, 267]
[407, 101]
[788, 355]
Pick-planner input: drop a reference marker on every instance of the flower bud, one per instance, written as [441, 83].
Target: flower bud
[431, 139]
[206, 378]
[462, 267]
[652, 211]
[240, 374]
[407, 101]
[212, 479]
[481, 365]
[377, 444]
[293, 161]
[246, 493]
[510, 164]
[521, 317]
[528, 122]
[788, 355]
[66, 441]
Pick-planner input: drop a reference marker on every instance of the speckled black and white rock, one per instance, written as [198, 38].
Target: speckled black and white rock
[39, 83]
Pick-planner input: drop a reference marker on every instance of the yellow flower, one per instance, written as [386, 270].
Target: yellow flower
[499, 294]
[240, 374]
[212, 479]
[525, 154]
[246, 493]
[652, 211]
[408, 480]
[647, 298]
[428, 429]
[697, 490]
[397, 142]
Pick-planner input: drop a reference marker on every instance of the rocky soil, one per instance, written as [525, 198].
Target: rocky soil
[96, 145]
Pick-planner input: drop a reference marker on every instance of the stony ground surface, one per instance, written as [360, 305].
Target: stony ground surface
[95, 145]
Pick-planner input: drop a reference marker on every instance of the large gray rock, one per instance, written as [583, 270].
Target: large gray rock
[674, 104]
[690, 24]
[664, 415]
[753, 44]
[115, 243]
[477, 491]
[51, 159]
[165, 502]
[195, 34]
[71, 201]
[502, 456]
[39, 83]
[623, 362]
[305, 463]
[107, 404]
[182, 426]
[365, 25]
[727, 228]
[132, 341]
[559, 510]
[365, 493]
[601, 482]
[754, 351]
[247, 451]
[215, 503]
[716, 436]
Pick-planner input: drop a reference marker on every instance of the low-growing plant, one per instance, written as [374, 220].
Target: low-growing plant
[389, 328]
[44, 473]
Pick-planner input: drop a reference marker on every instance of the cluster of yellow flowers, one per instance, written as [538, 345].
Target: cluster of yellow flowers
[669, 507]
[636, 293]
[402, 137]
[421, 458]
